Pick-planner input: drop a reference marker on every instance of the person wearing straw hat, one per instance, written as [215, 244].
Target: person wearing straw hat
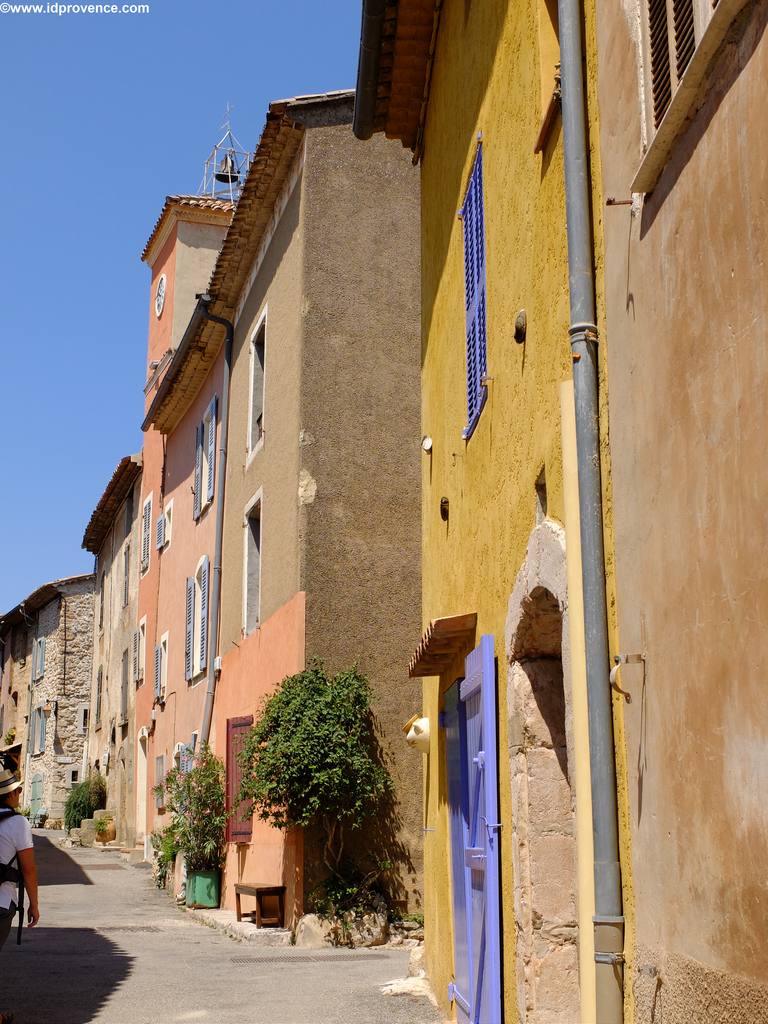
[18, 870]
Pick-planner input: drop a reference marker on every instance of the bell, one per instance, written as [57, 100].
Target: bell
[227, 172]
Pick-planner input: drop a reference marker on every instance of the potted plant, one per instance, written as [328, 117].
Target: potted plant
[196, 801]
[102, 829]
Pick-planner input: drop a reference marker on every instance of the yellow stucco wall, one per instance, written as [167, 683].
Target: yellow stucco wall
[486, 80]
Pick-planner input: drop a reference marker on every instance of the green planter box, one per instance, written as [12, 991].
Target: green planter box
[203, 889]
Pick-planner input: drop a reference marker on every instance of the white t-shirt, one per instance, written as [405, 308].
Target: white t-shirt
[15, 835]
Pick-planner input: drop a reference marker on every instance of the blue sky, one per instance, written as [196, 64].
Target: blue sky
[102, 116]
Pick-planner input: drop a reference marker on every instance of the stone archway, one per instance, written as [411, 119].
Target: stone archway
[543, 804]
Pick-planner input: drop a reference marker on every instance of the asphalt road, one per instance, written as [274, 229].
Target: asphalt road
[110, 948]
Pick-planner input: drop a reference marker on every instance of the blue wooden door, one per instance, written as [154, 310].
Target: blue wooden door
[473, 796]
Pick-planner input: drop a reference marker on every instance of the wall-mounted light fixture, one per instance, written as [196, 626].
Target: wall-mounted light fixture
[426, 444]
[416, 731]
[444, 509]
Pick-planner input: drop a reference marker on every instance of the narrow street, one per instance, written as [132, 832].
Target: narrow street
[111, 948]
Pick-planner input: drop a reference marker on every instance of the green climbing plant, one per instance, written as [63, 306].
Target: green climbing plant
[312, 758]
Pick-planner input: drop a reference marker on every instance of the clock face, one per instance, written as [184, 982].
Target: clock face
[160, 296]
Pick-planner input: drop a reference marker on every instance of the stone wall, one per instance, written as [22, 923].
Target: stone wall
[111, 737]
[67, 625]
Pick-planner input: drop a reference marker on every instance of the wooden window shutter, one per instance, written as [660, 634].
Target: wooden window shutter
[41, 657]
[203, 624]
[211, 442]
[661, 74]
[685, 37]
[197, 501]
[135, 655]
[473, 222]
[159, 780]
[146, 523]
[239, 823]
[158, 671]
[160, 531]
[43, 726]
[189, 629]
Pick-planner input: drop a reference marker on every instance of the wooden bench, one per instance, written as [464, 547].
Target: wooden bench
[260, 890]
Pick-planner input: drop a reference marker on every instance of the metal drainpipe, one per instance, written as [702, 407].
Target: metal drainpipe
[205, 729]
[368, 68]
[608, 919]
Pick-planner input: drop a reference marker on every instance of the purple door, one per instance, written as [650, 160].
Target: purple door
[474, 809]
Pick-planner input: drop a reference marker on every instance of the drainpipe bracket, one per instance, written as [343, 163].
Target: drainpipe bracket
[583, 332]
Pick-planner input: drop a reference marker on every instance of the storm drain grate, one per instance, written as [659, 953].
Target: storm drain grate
[306, 958]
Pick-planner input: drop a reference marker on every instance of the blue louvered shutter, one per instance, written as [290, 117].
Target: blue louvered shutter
[41, 658]
[203, 624]
[160, 531]
[211, 442]
[158, 671]
[197, 502]
[32, 731]
[189, 629]
[146, 524]
[43, 726]
[473, 221]
[477, 720]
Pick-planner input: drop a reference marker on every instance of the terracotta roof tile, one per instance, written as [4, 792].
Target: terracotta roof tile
[198, 202]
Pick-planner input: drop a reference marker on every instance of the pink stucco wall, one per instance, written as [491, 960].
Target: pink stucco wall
[249, 672]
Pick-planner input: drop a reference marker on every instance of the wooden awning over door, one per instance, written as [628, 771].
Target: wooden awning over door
[446, 639]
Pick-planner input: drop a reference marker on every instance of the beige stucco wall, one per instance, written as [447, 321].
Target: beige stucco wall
[273, 467]
[687, 300]
[360, 458]
[109, 642]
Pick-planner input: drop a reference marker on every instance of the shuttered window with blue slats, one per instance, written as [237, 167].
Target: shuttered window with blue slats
[473, 223]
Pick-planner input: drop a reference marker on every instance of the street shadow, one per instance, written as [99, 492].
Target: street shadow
[55, 866]
[60, 975]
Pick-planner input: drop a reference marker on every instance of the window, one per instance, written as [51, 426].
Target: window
[37, 731]
[164, 526]
[205, 461]
[82, 719]
[126, 574]
[161, 667]
[129, 513]
[256, 414]
[672, 42]
[159, 780]
[73, 777]
[473, 222]
[252, 567]
[38, 659]
[124, 688]
[99, 688]
[138, 651]
[101, 601]
[239, 822]
[196, 618]
[146, 525]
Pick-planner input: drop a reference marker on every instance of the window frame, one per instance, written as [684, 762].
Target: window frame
[475, 309]
[146, 534]
[256, 499]
[261, 326]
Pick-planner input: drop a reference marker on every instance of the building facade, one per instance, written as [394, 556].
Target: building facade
[48, 640]
[686, 304]
[180, 254]
[320, 515]
[474, 91]
[113, 536]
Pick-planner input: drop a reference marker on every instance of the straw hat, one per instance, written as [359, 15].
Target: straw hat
[8, 781]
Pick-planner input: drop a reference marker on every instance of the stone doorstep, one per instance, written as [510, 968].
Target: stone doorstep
[225, 921]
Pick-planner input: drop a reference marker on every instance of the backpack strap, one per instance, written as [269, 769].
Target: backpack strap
[8, 873]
